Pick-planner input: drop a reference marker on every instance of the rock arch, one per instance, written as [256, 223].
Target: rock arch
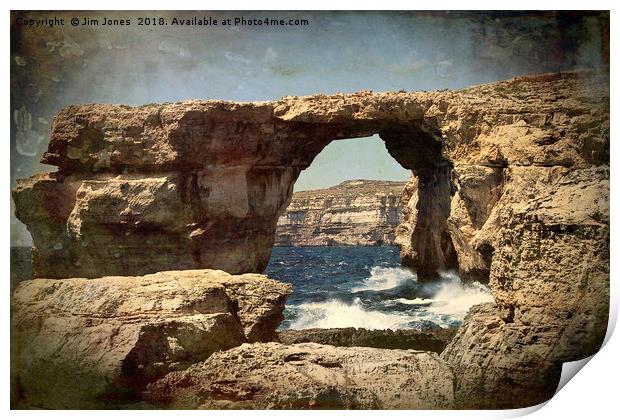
[513, 175]
[200, 184]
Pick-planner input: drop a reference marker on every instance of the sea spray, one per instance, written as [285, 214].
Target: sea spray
[336, 287]
[416, 301]
[385, 278]
[339, 314]
[454, 298]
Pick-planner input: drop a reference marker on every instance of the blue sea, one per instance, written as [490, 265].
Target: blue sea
[365, 287]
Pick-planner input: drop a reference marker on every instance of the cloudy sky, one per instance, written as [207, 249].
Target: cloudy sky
[335, 52]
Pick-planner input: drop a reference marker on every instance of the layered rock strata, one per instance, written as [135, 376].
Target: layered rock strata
[359, 212]
[89, 343]
[275, 376]
[550, 278]
[510, 187]
[434, 340]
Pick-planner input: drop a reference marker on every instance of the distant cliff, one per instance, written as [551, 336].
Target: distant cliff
[358, 212]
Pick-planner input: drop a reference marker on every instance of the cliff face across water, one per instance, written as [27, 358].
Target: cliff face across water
[510, 186]
[359, 212]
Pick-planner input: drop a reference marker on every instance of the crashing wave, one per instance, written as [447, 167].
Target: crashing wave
[385, 278]
[338, 314]
[447, 302]
[416, 301]
[454, 298]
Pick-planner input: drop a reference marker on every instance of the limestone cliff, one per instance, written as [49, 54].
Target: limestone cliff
[511, 187]
[359, 212]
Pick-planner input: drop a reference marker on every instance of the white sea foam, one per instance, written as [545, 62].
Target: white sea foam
[454, 298]
[449, 301]
[416, 301]
[338, 314]
[385, 278]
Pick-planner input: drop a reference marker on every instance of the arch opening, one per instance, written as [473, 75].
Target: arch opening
[416, 147]
[401, 280]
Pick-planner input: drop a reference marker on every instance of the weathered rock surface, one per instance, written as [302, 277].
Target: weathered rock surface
[550, 278]
[528, 123]
[510, 187]
[276, 376]
[434, 340]
[498, 364]
[224, 171]
[529, 213]
[85, 343]
[359, 212]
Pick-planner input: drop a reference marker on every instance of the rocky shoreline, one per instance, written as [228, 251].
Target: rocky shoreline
[510, 187]
[115, 342]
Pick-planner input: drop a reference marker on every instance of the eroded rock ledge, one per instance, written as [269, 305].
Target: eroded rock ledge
[89, 343]
[434, 340]
[275, 376]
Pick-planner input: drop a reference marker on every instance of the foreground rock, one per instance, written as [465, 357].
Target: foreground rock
[434, 340]
[360, 212]
[79, 343]
[309, 375]
[503, 365]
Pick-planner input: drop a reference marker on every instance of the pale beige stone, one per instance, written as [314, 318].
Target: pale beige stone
[308, 375]
[85, 343]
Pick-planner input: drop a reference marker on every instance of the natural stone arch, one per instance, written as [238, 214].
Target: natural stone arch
[200, 184]
[416, 146]
[528, 166]
[215, 176]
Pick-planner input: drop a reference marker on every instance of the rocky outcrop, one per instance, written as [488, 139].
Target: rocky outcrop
[550, 278]
[511, 187]
[224, 171]
[528, 124]
[359, 212]
[499, 364]
[533, 222]
[276, 376]
[88, 343]
[434, 340]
